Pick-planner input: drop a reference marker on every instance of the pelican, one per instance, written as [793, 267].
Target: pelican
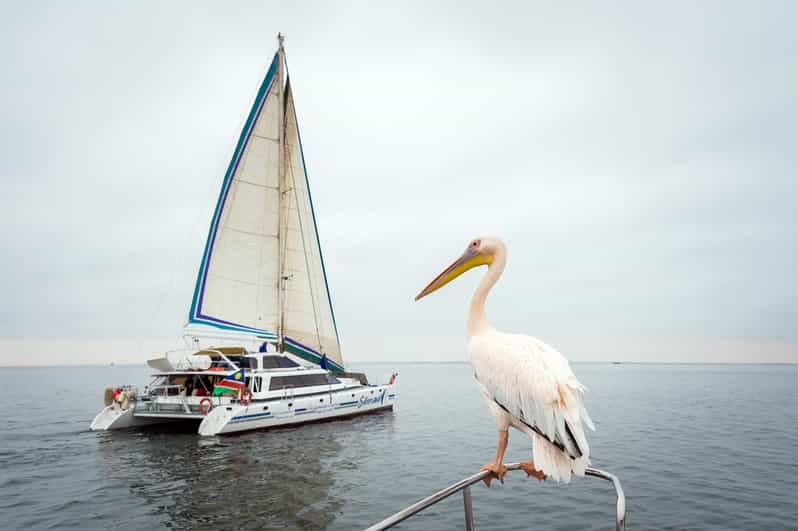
[526, 384]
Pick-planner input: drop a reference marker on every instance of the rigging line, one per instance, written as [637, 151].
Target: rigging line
[179, 261]
[262, 241]
[281, 293]
[283, 280]
[315, 227]
[261, 253]
[315, 233]
[304, 243]
[282, 218]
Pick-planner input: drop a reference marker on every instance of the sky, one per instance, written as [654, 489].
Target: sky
[638, 158]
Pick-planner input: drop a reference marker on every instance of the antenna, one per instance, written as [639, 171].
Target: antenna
[280, 39]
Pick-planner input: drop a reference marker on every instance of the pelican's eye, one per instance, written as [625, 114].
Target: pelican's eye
[475, 244]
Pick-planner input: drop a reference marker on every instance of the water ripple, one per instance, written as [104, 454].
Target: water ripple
[697, 447]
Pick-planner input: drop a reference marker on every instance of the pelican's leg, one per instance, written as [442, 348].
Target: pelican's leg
[497, 469]
[529, 468]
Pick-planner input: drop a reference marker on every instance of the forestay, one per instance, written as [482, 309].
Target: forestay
[309, 322]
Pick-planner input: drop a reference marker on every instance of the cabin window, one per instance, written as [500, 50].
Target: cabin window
[243, 362]
[278, 362]
[299, 380]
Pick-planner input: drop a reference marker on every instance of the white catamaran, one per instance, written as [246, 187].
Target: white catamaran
[265, 349]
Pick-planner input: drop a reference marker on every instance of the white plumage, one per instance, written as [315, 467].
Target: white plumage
[537, 389]
[527, 384]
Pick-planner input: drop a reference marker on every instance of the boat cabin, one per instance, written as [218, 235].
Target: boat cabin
[267, 376]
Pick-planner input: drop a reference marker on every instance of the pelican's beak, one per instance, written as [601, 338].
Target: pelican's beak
[469, 260]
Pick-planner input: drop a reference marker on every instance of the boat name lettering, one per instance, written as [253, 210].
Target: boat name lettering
[365, 401]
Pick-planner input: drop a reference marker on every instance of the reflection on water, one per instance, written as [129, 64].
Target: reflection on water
[275, 479]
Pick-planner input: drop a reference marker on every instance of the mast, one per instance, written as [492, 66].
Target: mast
[282, 233]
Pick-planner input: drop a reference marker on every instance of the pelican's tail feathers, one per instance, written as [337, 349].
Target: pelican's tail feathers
[555, 463]
[559, 462]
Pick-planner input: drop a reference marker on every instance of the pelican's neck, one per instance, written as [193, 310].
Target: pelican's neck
[477, 322]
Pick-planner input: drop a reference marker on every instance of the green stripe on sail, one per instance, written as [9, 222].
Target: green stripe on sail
[311, 357]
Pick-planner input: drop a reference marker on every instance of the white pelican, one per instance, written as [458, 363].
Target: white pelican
[527, 384]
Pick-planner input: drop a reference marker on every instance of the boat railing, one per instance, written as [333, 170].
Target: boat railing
[464, 485]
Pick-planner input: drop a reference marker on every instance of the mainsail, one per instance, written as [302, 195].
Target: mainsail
[262, 271]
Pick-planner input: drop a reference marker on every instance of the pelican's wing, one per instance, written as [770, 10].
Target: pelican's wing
[535, 385]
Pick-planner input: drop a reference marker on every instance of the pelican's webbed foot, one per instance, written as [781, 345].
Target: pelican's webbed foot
[497, 471]
[529, 468]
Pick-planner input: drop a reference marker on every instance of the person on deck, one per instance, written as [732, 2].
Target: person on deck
[189, 386]
[201, 389]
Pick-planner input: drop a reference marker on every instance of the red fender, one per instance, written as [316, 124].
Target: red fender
[205, 401]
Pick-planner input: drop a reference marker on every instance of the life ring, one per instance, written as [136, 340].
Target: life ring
[205, 401]
[246, 396]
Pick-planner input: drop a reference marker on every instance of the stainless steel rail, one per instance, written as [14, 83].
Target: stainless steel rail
[465, 486]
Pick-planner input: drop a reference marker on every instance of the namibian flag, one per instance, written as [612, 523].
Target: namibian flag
[232, 383]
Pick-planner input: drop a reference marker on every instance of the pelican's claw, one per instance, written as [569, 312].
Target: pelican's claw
[529, 468]
[496, 472]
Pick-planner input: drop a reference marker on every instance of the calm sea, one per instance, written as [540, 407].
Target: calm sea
[696, 447]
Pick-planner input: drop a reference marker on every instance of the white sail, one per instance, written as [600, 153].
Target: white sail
[308, 319]
[262, 273]
[236, 286]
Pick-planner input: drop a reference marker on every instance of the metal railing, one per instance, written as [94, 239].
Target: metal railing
[465, 486]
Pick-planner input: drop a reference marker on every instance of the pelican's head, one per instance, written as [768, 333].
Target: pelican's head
[480, 251]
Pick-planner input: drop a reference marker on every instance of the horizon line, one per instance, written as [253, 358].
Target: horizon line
[428, 362]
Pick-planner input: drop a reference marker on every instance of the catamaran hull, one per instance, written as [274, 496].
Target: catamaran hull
[246, 421]
[115, 418]
[261, 414]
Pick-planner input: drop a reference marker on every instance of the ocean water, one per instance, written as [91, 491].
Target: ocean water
[695, 446]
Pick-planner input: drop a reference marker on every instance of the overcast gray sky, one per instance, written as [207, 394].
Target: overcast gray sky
[638, 158]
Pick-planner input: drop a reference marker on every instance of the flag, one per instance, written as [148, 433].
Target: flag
[232, 383]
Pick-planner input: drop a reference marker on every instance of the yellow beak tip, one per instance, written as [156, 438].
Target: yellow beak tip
[461, 265]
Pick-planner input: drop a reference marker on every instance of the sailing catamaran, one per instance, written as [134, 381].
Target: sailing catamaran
[264, 343]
